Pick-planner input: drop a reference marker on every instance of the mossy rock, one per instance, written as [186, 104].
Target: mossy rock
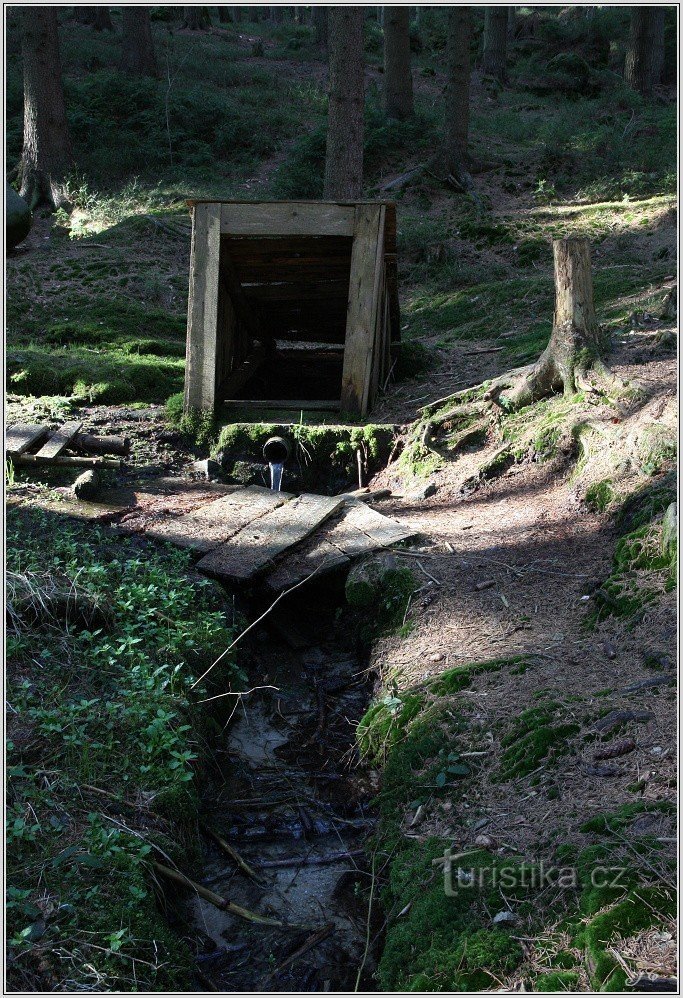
[378, 589]
[17, 218]
[670, 533]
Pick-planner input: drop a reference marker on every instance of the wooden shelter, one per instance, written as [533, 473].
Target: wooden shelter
[293, 304]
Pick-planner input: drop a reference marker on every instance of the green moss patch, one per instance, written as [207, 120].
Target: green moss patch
[324, 457]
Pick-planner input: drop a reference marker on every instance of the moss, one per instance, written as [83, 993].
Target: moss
[324, 457]
[454, 680]
[379, 598]
[615, 821]
[600, 495]
[646, 503]
[412, 359]
[534, 736]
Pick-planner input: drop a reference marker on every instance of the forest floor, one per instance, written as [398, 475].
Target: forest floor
[524, 714]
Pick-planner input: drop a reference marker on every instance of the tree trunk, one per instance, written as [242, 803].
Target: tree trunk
[458, 94]
[320, 27]
[495, 43]
[196, 18]
[138, 44]
[276, 15]
[645, 53]
[575, 342]
[236, 14]
[512, 23]
[344, 155]
[97, 17]
[46, 159]
[398, 81]
[224, 15]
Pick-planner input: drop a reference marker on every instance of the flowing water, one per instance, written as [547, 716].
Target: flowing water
[276, 469]
[295, 805]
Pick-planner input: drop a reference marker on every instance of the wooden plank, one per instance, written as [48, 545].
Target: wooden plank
[202, 312]
[66, 461]
[358, 530]
[243, 373]
[362, 310]
[287, 218]
[21, 436]
[205, 528]
[252, 550]
[60, 439]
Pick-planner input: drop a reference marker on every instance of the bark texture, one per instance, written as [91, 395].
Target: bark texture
[458, 94]
[320, 27]
[46, 158]
[98, 17]
[575, 344]
[398, 80]
[196, 18]
[344, 154]
[138, 44]
[645, 53]
[494, 62]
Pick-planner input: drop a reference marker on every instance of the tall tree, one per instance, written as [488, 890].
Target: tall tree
[495, 43]
[98, 17]
[645, 53]
[320, 26]
[512, 23]
[458, 94]
[344, 154]
[398, 80]
[196, 18]
[46, 159]
[138, 44]
[224, 15]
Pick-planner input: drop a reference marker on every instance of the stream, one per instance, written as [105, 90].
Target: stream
[295, 806]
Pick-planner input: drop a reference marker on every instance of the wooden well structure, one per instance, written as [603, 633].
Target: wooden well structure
[292, 304]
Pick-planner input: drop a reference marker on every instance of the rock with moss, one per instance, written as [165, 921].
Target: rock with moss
[378, 589]
[17, 218]
[670, 533]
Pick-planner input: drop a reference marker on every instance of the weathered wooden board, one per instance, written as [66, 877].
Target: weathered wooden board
[60, 439]
[284, 219]
[358, 530]
[213, 524]
[20, 437]
[202, 310]
[362, 310]
[253, 549]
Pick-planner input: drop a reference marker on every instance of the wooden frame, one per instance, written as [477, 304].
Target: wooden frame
[291, 262]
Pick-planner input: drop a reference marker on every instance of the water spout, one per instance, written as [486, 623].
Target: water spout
[276, 469]
[276, 451]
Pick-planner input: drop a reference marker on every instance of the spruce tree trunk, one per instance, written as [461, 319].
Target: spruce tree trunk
[398, 81]
[46, 158]
[494, 62]
[320, 27]
[97, 17]
[344, 155]
[196, 18]
[575, 342]
[458, 94]
[512, 24]
[138, 44]
[645, 53]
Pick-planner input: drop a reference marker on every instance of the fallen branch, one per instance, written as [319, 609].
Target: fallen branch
[335, 857]
[232, 853]
[65, 461]
[318, 937]
[215, 899]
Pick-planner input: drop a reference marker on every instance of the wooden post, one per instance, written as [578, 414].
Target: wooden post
[202, 312]
[367, 256]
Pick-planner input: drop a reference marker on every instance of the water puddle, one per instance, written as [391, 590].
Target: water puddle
[295, 806]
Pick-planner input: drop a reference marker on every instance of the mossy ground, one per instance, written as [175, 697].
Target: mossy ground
[598, 891]
[104, 753]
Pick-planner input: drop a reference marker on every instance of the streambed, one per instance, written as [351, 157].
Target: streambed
[295, 805]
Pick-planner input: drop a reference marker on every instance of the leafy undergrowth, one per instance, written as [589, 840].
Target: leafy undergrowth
[104, 749]
[457, 903]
